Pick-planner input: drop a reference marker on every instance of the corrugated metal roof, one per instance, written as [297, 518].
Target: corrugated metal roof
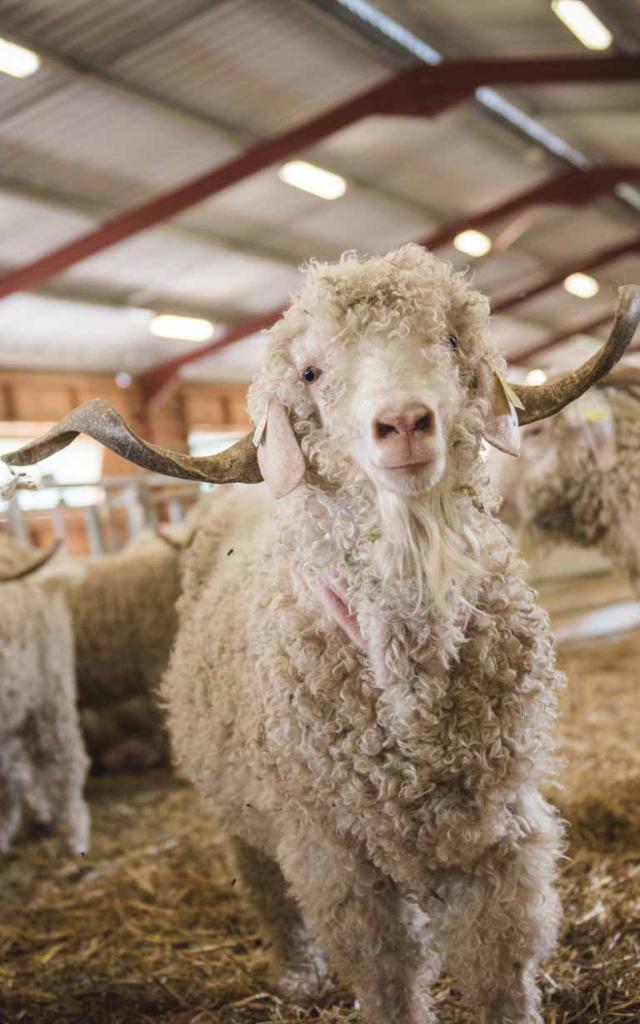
[261, 66]
[98, 143]
[47, 333]
[30, 229]
[113, 148]
[96, 31]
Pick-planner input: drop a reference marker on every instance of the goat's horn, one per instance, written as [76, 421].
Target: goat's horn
[32, 560]
[547, 399]
[236, 464]
[170, 540]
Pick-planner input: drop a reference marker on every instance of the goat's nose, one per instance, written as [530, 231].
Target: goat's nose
[412, 422]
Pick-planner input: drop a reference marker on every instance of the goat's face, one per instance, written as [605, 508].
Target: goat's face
[387, 401]
[377, 364]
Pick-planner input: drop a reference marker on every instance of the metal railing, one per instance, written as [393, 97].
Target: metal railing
[123, 507]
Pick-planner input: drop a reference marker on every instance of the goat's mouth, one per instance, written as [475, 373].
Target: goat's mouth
[409, 478]
[414, 466]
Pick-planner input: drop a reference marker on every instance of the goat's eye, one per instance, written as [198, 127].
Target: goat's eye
[452, 341]
[311, 373]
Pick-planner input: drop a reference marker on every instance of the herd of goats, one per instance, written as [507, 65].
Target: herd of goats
[347, 661]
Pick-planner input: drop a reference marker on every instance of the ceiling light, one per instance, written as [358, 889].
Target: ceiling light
[123, 379]
[472, 243]
[310, 178]
[17, 60]
[581, 285]
[185, 328]
[580, 19]
[536, 377]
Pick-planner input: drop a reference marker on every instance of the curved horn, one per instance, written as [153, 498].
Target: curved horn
[547, 399]
[28, 562]
[177, 543]
[237, 464]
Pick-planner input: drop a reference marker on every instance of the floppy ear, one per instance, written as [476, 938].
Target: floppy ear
[279, 457]
[601, 433]
[501, 424]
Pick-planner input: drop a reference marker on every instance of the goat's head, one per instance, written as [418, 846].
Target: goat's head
[382, 365]
[385, 366]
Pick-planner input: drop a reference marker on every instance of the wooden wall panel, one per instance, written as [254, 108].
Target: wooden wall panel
[47, 397]
[216, 406]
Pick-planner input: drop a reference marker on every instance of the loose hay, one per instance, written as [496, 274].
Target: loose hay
[150, 928]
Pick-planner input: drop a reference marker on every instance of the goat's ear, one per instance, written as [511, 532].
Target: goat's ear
[601, 433]
[279, 457]
[501, 424]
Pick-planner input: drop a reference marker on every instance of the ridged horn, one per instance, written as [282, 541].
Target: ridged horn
[236, 464]
[23, 563]
[547, 399]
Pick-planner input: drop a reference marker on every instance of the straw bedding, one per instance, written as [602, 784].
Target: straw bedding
[151, 927]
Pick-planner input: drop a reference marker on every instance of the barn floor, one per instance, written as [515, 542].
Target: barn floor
[150, 928]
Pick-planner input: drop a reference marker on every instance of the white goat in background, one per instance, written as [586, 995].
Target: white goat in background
[578, 476]
[43, 764]
[362, 686]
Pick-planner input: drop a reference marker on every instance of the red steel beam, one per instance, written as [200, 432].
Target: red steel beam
[500, 305]
[422, 91]
[574, 187]
[557, 339]
[155, 383]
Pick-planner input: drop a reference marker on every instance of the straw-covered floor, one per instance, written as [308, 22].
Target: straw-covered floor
[150, 927]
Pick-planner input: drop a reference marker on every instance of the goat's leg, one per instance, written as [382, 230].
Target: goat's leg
[299, 962]
[362, 923]
[15, 779]
[498, 924]
[59, 775]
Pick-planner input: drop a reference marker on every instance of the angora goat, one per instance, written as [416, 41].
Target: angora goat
[362, 686]
[578, 477]
[122, 644]
[43, 764]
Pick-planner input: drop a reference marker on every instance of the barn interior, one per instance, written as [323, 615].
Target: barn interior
[167, 167]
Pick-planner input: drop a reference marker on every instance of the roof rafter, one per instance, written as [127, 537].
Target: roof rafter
[500, 305]
[573, 187]
[586, 327]
[74, 69]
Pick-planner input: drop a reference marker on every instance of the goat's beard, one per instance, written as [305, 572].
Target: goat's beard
[428, 551]
[426, 545]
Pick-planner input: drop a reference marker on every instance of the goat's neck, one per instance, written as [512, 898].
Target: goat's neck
[409, 571]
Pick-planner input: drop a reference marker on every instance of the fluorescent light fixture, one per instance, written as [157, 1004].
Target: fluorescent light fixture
[580, 19]
[123, 379]
[185, 328]
[536, 377]
[310, 178]
[16, 60]
[472, 243]
[581, 285]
